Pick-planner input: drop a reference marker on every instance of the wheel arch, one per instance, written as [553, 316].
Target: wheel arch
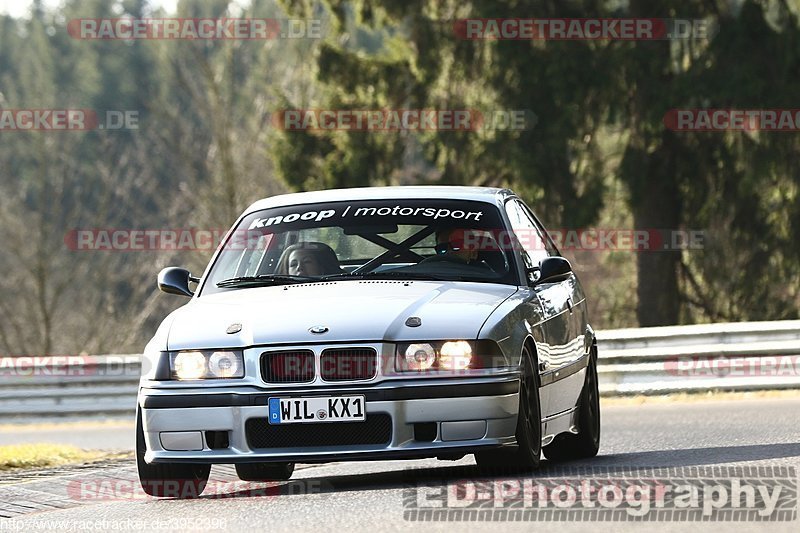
[530, 343]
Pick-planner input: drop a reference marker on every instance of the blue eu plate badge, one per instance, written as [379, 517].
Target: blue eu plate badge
[274, 410]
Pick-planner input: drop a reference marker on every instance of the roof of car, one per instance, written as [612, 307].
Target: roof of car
[481, 194]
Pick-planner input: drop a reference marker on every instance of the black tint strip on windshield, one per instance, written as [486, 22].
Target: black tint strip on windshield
[377, 213]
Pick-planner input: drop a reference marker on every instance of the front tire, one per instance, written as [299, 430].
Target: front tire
[529, 425]
[168, 480]
[586, 443]
[264, 471]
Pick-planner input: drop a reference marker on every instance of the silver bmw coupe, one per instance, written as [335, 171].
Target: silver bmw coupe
[370, 323]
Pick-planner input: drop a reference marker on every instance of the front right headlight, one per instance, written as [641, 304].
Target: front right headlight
[451, 355]
[207, 364]
[225, 364]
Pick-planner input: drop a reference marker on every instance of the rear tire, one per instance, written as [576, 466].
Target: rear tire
[168, 480]
[264, 471]
[586, 443]
[529, 426]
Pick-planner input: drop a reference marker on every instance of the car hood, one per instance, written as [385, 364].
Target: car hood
[354, 311]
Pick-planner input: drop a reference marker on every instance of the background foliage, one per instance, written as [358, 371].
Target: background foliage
[598, 155]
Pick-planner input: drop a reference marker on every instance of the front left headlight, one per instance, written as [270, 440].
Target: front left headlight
[206, 364]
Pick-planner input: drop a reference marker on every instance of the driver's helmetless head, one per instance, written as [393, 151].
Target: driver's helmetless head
[308, 259]
[304, 263]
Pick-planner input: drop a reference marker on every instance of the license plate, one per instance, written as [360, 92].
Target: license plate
[319, 409]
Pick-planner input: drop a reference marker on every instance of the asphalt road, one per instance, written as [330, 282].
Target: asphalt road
[701, 451]
[116, 435]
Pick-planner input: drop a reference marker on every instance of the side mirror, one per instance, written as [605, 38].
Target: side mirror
[175, 280]
[552, 270]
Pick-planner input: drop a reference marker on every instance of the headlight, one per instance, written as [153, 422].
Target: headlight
[449, 356]
[419, 357]
[207, 364]
[224, 365]
[455, 355]
[189, 365]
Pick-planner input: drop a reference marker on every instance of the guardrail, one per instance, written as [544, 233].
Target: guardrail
[742, 356]
[85, 386]
[729, 357]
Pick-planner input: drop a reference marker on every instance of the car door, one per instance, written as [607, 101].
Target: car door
[554, 301]
[568, 370]
[576, 300]
[562, 328]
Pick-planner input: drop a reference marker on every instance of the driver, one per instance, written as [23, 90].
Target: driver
[308, 259]
[459, 245]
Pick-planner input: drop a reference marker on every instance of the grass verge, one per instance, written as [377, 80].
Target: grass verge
[25, 456]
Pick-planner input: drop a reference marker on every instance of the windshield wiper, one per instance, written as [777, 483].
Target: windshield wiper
[265, 279]
[391, 274]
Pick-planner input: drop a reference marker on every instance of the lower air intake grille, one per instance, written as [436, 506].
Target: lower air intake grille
[377, 429]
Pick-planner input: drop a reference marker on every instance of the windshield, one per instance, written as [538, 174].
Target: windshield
[448, 240]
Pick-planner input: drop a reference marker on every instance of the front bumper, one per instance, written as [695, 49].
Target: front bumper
[468, 414]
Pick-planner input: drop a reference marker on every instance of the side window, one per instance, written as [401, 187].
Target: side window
[548, 241]
[527, 233]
